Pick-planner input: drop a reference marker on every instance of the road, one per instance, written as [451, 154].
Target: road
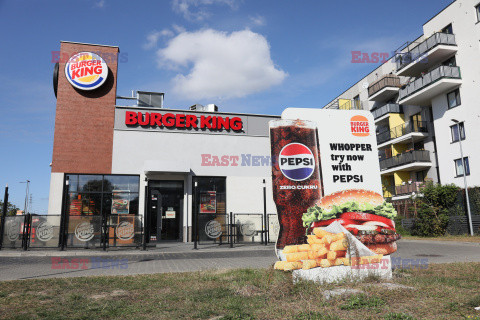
[17, 265]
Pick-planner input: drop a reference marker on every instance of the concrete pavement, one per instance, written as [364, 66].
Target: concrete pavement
[180, 257]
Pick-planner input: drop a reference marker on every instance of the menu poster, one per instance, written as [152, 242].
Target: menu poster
[208, 202]
[120, 202]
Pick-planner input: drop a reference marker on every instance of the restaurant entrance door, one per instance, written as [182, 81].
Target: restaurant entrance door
[166, 210]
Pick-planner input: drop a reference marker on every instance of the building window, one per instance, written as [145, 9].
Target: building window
[356, 103]
[456, 135]
[459, 167]
[450, 62]
[209, 205]
[448, 29]
[477, 11]
[102, 195]
[453, 99]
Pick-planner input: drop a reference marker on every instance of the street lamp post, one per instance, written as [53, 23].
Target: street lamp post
[25, 208]
[464, 177]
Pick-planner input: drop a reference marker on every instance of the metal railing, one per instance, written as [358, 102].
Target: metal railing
[388, 108]
[405, 158]
[429, 78]
[408, 188]
[401, 130]
[403, 59]
[386, 81]
[403, 189]
[351, 105]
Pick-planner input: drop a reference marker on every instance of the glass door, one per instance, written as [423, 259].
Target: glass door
[166, 210]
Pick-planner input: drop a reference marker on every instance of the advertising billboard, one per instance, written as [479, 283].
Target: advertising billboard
[327, 189]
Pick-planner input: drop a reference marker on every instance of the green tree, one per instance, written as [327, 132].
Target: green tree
[433, 208]
[11, 208]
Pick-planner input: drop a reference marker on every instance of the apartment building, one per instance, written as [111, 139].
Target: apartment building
[424, 99]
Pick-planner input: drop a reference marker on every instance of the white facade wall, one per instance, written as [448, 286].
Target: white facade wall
[461, 14]
[174, 155]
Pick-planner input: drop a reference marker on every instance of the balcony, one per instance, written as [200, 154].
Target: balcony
[408, 188]
[401, 191]
[414, 131]
[424, 89]
[427, 54]
[384, 89]
[408, 161]
[346, 104]
[386, 109]
[351, 105]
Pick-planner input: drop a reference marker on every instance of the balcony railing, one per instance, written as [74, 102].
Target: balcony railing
[404, 189]
[351, 105]
[401, 130]
[429, 78]
[404, 58]
[405, 158]
[388, 108]
[386, 81]
[408, 188]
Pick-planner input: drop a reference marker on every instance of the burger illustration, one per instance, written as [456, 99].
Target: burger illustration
[363, 213]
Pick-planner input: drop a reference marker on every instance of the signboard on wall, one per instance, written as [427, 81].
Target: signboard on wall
[120, 202]
[208, 202]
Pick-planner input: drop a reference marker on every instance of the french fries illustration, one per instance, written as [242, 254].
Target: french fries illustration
[324, 249]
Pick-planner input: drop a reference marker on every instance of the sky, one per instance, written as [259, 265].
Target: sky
[247, 56]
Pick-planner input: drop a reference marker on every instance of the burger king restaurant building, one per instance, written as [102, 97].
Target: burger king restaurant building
[141, 166]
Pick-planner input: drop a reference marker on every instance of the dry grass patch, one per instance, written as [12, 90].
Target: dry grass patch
[447, 291]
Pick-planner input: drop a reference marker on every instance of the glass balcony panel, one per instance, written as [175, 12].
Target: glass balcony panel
[405, 58]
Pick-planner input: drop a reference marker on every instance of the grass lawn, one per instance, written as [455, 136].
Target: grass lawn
[448, 291]
[462, 238]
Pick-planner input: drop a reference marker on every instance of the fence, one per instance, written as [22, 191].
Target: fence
[456, 225]
[235, 228]
[91, 231]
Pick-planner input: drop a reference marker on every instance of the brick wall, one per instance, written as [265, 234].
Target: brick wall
[84, 120]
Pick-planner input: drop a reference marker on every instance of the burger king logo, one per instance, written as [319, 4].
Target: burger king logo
[86, 71]
[296, 162]
[125, 230]
[359, 126]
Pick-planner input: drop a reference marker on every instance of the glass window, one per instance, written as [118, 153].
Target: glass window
[453, 99]
[111, 183]
[459, 167]
[455, 132]
[210, 194]
[90, 183]
[102, 194]
[448, 29]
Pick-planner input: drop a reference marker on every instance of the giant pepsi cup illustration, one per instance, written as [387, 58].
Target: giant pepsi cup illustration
[295, 175]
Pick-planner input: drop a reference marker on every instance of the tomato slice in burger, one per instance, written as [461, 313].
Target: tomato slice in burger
[362, 216]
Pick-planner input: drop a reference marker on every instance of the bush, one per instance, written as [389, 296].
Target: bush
[430, 222]
[398, 226]
[439, 196]
[433, 209]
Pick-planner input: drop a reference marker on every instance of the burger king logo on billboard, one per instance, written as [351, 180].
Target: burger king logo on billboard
[360, 126]
[86, 71]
